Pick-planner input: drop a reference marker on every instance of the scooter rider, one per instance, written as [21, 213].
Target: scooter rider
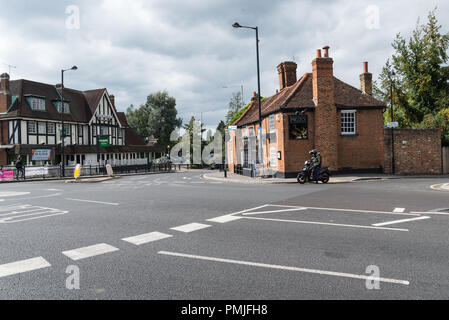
[316, 162]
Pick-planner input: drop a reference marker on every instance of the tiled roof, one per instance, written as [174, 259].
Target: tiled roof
[122, 118]
[81, 103]
[300, 95]
[93, 98]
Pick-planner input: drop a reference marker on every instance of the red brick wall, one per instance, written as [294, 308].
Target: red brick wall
[365, 150]
[296, 152]
[416, 151]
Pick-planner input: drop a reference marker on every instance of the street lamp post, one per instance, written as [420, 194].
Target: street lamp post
[61, 110]
[237, 25]
[393, 165]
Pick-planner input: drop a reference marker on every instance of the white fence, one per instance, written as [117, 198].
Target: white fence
[446, 160]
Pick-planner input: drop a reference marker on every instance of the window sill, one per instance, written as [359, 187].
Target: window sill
[349, 135]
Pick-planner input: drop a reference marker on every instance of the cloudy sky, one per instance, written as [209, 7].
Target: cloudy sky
[189, 48]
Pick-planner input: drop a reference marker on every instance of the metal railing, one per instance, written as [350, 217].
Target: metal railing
[54, 172]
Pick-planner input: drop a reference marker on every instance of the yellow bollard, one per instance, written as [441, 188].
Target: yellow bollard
[77, 172]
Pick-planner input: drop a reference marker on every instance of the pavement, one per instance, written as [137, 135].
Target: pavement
[178, 236]
[336, 179]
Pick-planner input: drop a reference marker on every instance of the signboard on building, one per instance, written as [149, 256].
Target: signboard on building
[41, 155]
[103, 141]
[232, 128]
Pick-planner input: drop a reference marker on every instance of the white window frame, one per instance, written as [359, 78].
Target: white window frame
[66, 107]
[51, 128]
[271, 124]
[32, 127]
[345, 117]
[43, 126]
[38, 104]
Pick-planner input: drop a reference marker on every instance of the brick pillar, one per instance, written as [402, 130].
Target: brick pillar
[5, 94]
[326, 128]
[366, 80]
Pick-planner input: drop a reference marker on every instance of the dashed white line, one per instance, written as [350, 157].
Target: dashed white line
[328, 224]
[23, 266]
[399, 210]
[287, 268]
[146, 238]
[92, 201]
[91, 251]
[399, 221]
[191, 227]
[224, 219]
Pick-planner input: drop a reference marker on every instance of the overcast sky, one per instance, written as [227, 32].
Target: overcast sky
[189, 48]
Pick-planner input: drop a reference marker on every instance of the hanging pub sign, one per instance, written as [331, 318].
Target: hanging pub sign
[301, 119]
[41, 155]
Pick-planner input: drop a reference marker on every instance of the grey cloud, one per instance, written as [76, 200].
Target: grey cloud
[189, 47]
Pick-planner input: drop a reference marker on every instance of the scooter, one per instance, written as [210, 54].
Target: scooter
[306, 175]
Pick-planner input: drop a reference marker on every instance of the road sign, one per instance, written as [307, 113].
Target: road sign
[392, 124]
[103, 141]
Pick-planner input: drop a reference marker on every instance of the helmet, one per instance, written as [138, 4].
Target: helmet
[313, 152]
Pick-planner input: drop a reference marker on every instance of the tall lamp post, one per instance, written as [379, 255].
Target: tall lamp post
[393, 165]
[237, 25]
[62, 110]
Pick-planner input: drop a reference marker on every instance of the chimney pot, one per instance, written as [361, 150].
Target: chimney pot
[318, 53]
[112, 98]
[326, 51]
[365, 67]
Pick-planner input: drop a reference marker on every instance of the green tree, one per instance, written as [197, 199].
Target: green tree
[235, 105]
[196, 133]
[158, 117]
[421, 81]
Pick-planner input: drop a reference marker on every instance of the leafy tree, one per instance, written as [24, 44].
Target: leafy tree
[235, 105]
[421, 81]
[195, 133]
[158, 117]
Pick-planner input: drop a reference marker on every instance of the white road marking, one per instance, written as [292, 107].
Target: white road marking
[224, 219]
[23, 266]
[399, 221]
[287, 268]
[12, 194]
[195, 182]
[146, 238]
[273, 211]
[433, 213]
[13, 213]
[349, 210]
[91, 201]
[399, 210]
[91, 251]
[191, 227]
[328, 224]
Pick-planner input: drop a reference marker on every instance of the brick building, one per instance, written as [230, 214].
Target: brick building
[318, 111]
[95, 133]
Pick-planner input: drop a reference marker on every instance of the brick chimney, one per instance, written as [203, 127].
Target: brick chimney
[287, 74]
[112, 98]
[366, 80]
[326, 121]
[5, 94]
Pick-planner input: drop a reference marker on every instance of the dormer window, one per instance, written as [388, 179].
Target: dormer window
[66, 107]
[36, 103]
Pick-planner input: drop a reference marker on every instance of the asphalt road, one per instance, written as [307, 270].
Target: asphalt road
[230, 241]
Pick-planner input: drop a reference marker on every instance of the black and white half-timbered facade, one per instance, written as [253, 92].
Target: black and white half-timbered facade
[94, 132]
